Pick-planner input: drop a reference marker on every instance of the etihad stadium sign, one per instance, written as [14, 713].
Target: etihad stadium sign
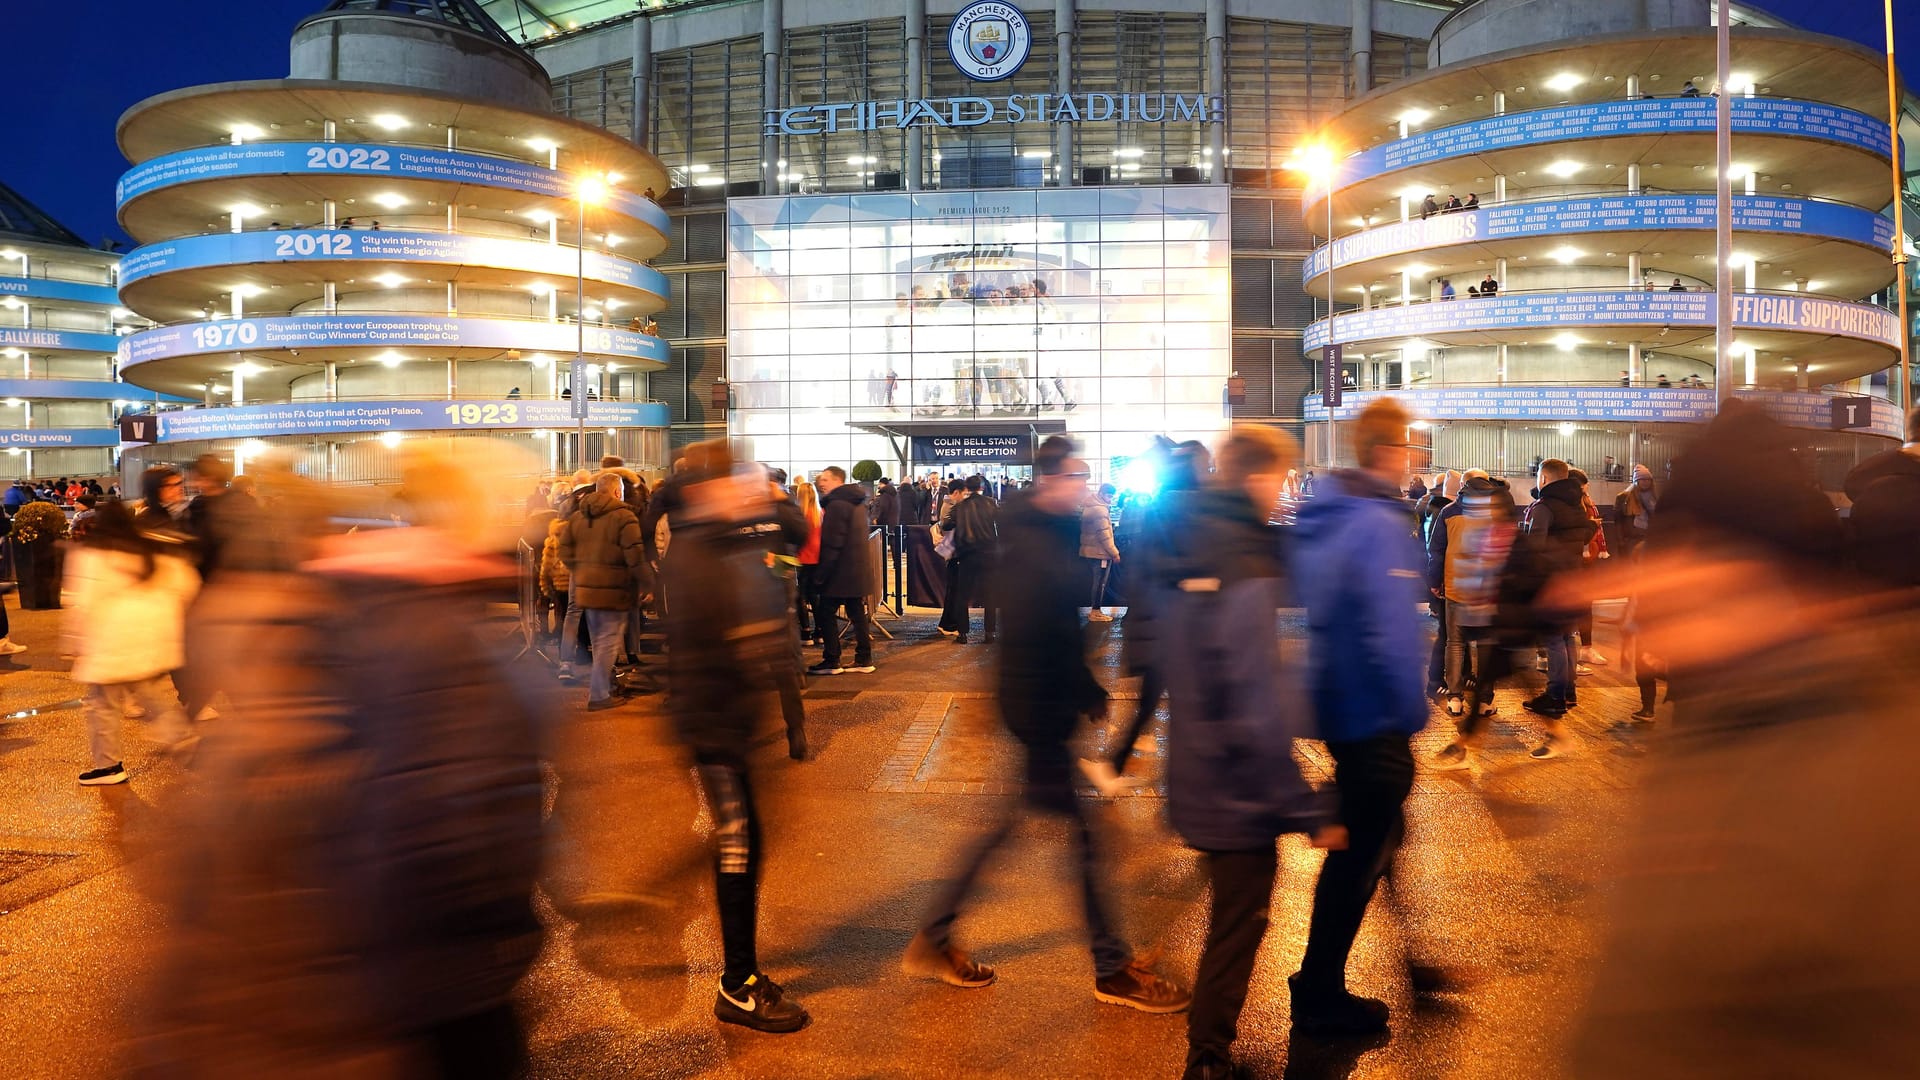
[972, 112]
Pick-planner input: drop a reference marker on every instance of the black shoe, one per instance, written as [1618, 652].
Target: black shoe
[112, 774]
[1643, 716]
[824, 668]
[797, 745]
[1547, 707]
[605, 703]
[1209, 1067]
[1335, 1012]
[759, 1004]
[960, 640]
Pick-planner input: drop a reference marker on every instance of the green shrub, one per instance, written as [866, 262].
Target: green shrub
[37, 521]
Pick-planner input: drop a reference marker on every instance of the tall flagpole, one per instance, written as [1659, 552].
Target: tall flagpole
[1904, 398]
[1723, 214]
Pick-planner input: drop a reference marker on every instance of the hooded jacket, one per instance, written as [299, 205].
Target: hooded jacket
[554, 578]
[1361, 576]
[1884, 525]
[1232, 782]
[846, 563]
[601, 546]
[1045, 684]
[122, 626]
[1557, 526]
[886, 505]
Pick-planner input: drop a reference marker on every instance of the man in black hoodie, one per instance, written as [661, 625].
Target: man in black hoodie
[845, 572]
[1884, 524]
[1555, 532]
[1045, 688]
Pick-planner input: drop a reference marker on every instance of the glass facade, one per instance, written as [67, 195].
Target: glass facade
[1103, 311]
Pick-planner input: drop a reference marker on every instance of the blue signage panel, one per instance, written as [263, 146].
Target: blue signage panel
[1604, 404]
[19, 337]
[366, 159]
[321, 245]
[1611, 213]
[1664, 116]
[966, 449]
[58, 438]
[382, 331]
[79, 390]
[364, 417]
[77, 292]
[1544, 312]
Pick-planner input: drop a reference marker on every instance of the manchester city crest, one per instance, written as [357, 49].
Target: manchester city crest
[989, 40]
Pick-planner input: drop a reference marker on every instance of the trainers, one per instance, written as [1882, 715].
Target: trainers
[1138, 988]
[1335, 1013]
[1450, 758]
[1106, 779]
[1454, 706]
[944, 962]
[112, 774]
[1487, 708]
[759, 1004]
[9, 647]
[863, 667]
[566, 673]
[1547, 707]
[1643, 716]
[1592, 656]
[1582, 670]
[1211, 1067]
[1550, 747]
[1098, 616]
[824, 668]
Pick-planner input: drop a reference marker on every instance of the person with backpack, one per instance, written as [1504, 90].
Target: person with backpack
[1233, 786]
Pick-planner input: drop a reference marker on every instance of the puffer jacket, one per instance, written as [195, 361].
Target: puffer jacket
[1096, 532]
[121, 626]
[358, 866]
[1361, 575]
[602, 546]
[846, 562]
[1232, 782]
[555, 579]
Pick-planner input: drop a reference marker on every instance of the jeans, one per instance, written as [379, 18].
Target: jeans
[1049, 787]
[1437, 660]
[607, 629]
[826, 616]
[1101, 569]
[1242, 893]
[1372, 778]
[1467, 648]
[570, 629]
[105, 708]
[736, 861]
[1560, 652]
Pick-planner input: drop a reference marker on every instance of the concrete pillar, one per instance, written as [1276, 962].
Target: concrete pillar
[1063, 12]
[329, 213]
[915, 12]
[333, 380]
[1633, 270]
[1633, 178]
[773, 23]
[329, 132]
[1217, 84]
[239, 387]
[1501, 366]
[641, 129]
[1634, 364]
[1361, 48]
[1633, 87]
[1499, 189]
[329, 298]
[1500, 273]
[453, 299]
[1499, 103]
[453, 382]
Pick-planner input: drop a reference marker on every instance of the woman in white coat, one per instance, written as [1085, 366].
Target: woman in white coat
[126, 596]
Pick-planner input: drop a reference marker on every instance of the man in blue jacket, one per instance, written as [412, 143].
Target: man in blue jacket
[1361, 577]
[1233, 786]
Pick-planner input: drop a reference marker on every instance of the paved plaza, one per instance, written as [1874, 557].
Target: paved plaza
[1503, 874]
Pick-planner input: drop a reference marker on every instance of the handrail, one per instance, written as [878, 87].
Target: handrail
[1463, 297]
[562, 321]
[533, 236]
[175, 406]
[538, 162]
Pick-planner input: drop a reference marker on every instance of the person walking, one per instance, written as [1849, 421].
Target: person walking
[1633, 509]
[127, 594]
[602, 550]
[1233, 786]
[846, 572]
[1480, 535]
[1098, 549]
[1045, 687]
[1555, 532]
[1884, 523]
[1595, 553]
[807, 577]
[1360, 576]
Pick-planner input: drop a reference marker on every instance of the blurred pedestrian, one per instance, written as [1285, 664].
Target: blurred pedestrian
[1633, 510]
[1594, 554]
[602, 550]
[1097, 548]
[846, 573]
[163, 500]
[1233, 785]
[126, 597]
[1045, 688]
[1555, 532]
[1360, 575]
[1884, 521]
[1480, 529]
[1443, 562]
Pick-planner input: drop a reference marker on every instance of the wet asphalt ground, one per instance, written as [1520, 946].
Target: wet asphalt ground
[1502, 877]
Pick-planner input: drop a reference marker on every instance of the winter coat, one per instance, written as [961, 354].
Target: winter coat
[601, 546]
[1627, 508]
[1232, 781]
[555, 579]
[358, 866]
[886, 505]
[976, 527]
[1096, 532]
[123, 627]
[1360, 577]
[846, 562]
[1884, 525]
[1557, 526]
[219, 521]
[634, 492]
[1045, 684]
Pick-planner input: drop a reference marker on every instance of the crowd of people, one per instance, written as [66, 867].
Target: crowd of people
[363, 847]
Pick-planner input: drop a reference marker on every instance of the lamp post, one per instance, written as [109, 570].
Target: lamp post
[1317, 163]
[1905, 397]
[590, 189]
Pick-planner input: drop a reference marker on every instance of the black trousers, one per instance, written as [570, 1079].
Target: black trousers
[971, 585]
[736, 861]
[489, 1045]
[826, 617]
[1437, 660]
[1242, 893]
[1151, 687]
[1372, 778]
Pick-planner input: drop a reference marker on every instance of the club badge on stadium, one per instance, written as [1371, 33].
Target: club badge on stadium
[989, 40]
